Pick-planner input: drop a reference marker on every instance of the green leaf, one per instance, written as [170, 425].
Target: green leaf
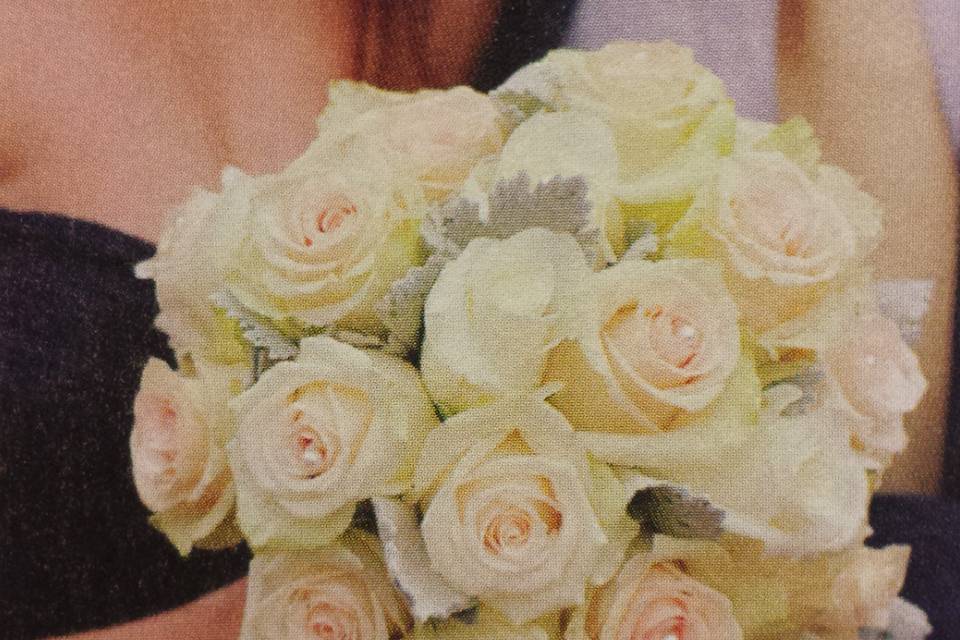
[401, 310]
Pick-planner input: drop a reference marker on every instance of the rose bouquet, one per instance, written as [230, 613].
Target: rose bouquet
[589, 357]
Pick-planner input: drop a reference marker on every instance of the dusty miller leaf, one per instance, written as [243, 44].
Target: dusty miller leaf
[426, 592]
[558, 204]
[810, 382]
[674, 512]
[905, 302]
[401, 310]
[258, 332]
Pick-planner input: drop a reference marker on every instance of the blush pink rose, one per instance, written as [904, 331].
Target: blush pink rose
[659, 602]
[340, 592]
[880, 378]
[179, 464]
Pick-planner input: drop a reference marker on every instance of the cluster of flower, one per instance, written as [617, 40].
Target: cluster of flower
[588, 357]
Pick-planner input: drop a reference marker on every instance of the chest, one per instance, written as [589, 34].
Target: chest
[101, 122]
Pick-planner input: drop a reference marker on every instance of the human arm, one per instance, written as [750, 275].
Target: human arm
[862, 75]
[215, 616]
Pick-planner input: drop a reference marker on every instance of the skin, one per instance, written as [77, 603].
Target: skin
[112, 113]
[215, 616]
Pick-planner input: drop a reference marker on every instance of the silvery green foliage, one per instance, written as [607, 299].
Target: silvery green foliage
[427, 594]
[559, 204]
[258, 332]
[905, 302]
[672, 511]
[810, 382]
[401, 310]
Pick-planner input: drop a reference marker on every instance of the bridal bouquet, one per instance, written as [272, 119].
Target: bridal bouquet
[589, 357]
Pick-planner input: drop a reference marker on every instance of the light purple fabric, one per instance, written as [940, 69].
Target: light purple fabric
[942, 20]
[737, 40]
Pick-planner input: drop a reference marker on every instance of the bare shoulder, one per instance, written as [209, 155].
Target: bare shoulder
[94, 121]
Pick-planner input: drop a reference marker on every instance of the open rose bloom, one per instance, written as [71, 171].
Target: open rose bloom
[587, 358]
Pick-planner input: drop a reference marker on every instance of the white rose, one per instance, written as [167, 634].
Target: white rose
[570, 145]
[341, 592]
[322, 249]
[793, 481]
[485, 625]
[494, 313]
[670, 115]
[315, 436]
[441, 135]
[656, 340]
[880, 378]
[865, 589]
[177, 450]
[833, 595]
[191, 263]
[788, 239]
[431, 139]
[507, 516]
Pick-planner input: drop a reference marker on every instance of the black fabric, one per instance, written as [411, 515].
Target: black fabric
[524, 32]
[932, 527]
[76, 551]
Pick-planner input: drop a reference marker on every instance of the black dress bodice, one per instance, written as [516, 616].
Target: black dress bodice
[76, 551]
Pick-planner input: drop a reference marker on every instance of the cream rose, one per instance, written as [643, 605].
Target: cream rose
[670, 116]
[341, 592]
[430, 139]
[322, 249]
[655, 340]
[506, 511]
[494, 313]
[880, 378]
[864, 589]
[659, 602]
[315, 436]
[786, 477]
[177, 450]
[785, 238]
[191, 264]
[440, 136]
[831, 595]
